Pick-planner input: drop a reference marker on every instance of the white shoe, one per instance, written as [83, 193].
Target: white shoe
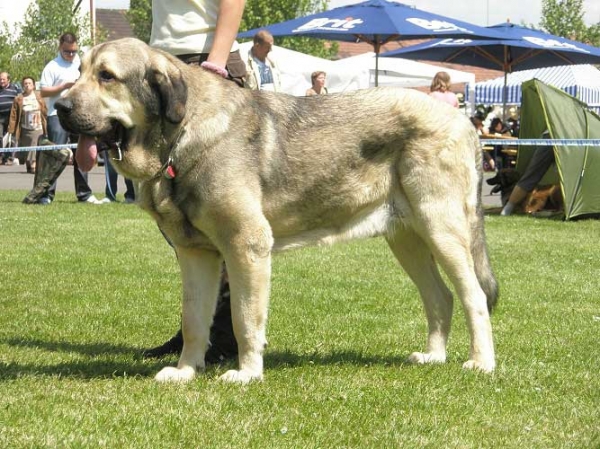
[105, 201]
[93, 200]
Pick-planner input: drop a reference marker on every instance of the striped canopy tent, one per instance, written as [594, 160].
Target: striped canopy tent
[580, 81]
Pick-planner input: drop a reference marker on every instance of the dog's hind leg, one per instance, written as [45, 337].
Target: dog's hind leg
[416, 259]
[450, 240]
[200, 274]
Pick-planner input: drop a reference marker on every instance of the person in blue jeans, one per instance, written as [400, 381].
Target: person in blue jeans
[112, 184]
[59, 136]
[57, 78]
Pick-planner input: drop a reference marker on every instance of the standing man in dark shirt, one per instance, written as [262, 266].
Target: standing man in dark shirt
[8, 92]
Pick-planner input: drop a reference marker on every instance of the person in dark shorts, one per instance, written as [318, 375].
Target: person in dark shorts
[542, 159]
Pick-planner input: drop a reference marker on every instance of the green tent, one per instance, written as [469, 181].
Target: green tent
[544, 107]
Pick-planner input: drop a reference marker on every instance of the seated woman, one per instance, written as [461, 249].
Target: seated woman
[498, 130]
[318, 84]
[440, 89]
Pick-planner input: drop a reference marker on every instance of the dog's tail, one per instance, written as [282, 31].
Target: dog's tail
[483, 268]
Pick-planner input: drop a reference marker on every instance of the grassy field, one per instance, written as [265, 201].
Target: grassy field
[85, 288]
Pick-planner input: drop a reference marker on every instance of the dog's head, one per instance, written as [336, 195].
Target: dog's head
[504, 182]
[125, 89]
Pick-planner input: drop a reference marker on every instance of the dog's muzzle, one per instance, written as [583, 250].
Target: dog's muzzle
[90, 141]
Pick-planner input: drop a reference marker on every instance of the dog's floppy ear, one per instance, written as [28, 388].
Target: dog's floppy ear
[494, 181]
[167, 81]
[497, 188]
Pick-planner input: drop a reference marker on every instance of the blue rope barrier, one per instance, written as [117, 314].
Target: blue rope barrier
[504, 142]
[543, 142]
[41, 148]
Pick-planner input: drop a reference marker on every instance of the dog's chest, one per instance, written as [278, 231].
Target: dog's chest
[156, 199]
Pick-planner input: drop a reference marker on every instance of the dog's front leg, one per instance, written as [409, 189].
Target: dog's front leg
[200, 271]
[249, 268]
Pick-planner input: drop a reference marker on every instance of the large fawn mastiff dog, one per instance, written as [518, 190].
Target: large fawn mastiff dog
[237, 175]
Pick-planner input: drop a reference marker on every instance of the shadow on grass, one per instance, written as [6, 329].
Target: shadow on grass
[119, 361]
[92, 369]
[275, 359]
[66, 346]
[104, 360]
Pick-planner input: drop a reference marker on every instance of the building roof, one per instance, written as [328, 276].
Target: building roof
[114, 22]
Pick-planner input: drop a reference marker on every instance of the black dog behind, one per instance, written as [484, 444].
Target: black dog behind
[504, 182]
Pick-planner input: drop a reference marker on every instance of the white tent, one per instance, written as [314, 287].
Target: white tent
[401, 72]
[581, 81]
[296, 68]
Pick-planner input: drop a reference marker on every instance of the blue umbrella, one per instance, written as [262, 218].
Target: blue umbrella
[521, 48]
[375, 22]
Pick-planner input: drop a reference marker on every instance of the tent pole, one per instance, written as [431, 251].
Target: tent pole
[504, 96]
[506, 67]
[377, 47]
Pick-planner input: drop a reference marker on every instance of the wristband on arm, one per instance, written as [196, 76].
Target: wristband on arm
[221, 71]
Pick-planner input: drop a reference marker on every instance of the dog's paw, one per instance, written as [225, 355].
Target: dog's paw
[241, 376]
[174, 375]
[422, 358]
[485, 367]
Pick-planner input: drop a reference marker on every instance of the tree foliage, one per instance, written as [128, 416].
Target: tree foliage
[140, 18]
[27, 48]
[257, 13]
[565, 18]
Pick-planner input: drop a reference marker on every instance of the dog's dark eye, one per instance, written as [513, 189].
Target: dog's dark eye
[105, 76]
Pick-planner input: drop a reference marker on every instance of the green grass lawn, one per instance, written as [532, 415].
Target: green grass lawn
[84, 288]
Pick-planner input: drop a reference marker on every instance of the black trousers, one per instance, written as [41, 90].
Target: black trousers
[223, 344]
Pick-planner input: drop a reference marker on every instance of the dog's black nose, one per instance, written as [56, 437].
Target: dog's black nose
[64, 105]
